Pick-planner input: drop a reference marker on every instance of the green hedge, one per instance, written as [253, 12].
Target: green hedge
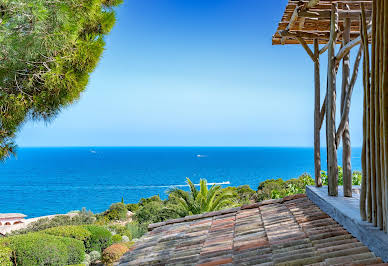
[5, 256]
[100, 238]
[35, 249]
[72, 231]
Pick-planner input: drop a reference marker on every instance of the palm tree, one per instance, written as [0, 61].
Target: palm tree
[202, 200]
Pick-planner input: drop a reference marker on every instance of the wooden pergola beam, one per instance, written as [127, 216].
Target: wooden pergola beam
[325, 14]
[346, 48]
[307, 48]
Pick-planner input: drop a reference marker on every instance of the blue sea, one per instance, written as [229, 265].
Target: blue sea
[43, 181]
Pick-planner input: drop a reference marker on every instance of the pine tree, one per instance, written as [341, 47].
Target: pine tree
[48, 48]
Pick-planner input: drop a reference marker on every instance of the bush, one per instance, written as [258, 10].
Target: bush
[277, 188]
[116, 238]
[72, 231]
[100, 238]
[136, 229]
[87, 260]
[113, 253]
[154, 212]
[119, 230]
[133, 207]
[75, 250]
[94, 256]
[356, 177]
[5, 256]
[125, 239]
[83, 217]
[43, 249]
[243, 194]
[117, 211]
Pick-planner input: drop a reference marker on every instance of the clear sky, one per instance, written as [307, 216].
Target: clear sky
[195, 73]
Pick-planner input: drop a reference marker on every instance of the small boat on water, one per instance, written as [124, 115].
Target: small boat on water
[201, 155]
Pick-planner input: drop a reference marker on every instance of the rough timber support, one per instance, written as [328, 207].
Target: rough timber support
[346, 151]
[332, 167]
[317, 116]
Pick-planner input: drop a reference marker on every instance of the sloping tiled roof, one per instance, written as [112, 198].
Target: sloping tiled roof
[289, 231]
[11, 215]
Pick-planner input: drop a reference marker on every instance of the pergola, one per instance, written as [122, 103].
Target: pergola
[328, 23]
[337, 26]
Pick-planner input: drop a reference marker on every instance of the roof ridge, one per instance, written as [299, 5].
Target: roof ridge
[224, 211]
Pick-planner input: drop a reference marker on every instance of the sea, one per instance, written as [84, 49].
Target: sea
[44, 181]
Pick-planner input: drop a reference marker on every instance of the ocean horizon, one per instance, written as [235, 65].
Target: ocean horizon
[50, 180]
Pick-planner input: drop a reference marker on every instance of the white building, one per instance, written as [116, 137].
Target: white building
[7, 219]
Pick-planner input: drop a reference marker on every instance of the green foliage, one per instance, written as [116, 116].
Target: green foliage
[75, 250]
[72, 231]
[94, 256]
[203, 200]
[117, 211]
[154, 212]
[5, 255]
[117, 238]
[356, 177]
[132, 207]
[145, 201]
[48, 50]
[43, 249]
[136, 229]
[120, 230]
[277, 188]
[83, 217]
[113, 253]
[243, 194]
[100, 238]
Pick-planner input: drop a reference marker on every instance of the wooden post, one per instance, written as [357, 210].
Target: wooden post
[332, 167]
[384, 88]
[346, 152]
[317, 116]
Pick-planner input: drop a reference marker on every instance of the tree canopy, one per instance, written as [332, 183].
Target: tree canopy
[48, 48]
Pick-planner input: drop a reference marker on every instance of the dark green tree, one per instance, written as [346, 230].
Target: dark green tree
[48, 48]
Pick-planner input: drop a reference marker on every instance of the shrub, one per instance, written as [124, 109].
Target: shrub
[356, 177]
[87, 260]
[83, 217]
[94, 256]
[113, 253]
[125, 239]
[72, 231]
[43, 249]
[75, 250]
[277, 188]
[154, 212]
[117, 211]
[100, 238]
[119, 229]
[133, 207]
[136, 229]
[243, 194]
[5, 256]
[116, 238]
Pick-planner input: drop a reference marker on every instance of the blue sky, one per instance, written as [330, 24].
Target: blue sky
[195, 73]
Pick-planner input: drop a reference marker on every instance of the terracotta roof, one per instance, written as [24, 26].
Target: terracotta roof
[289, 231]
[11, 215]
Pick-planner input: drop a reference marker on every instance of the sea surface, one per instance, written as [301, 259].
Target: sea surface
[43, 181]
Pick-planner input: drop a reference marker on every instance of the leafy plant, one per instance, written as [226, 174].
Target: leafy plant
[356, 177]
[5, 255]
[203, 200]
[117, 238]
[83, 217]
[100, 238]
[113, 253]
[136, 229]
[72, 231]
[43, 249]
